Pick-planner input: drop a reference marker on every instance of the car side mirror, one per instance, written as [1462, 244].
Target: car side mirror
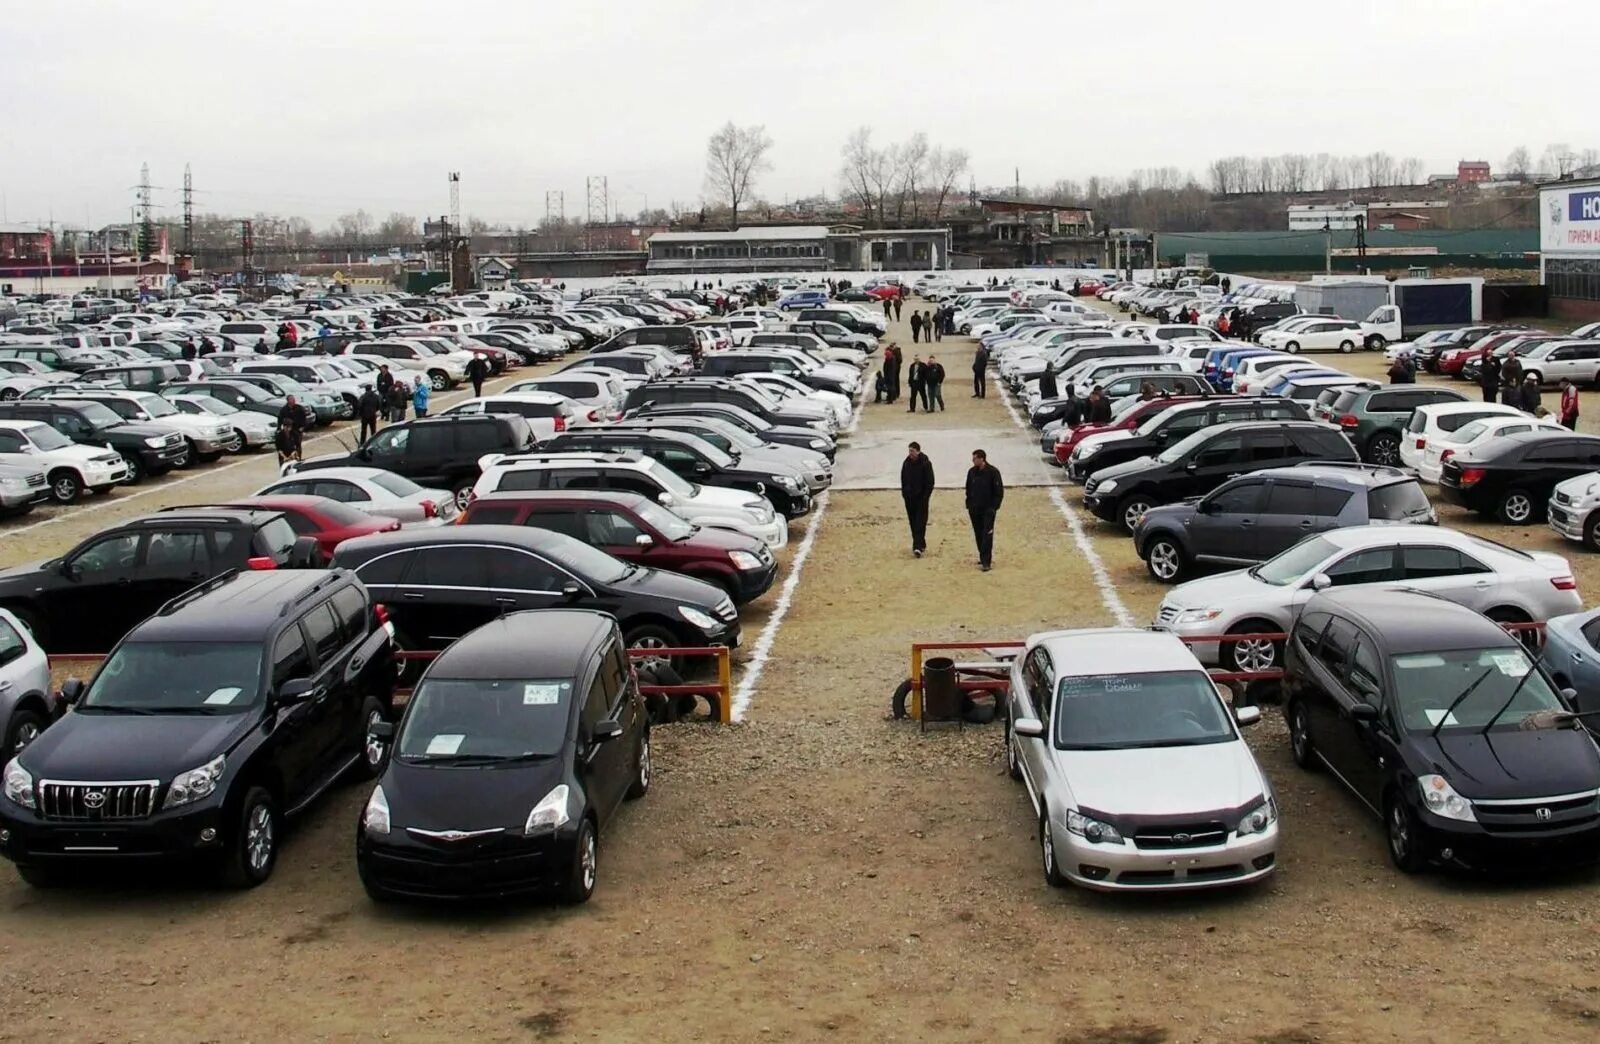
[295, 690]
[1033, 728]
[665, 499]
[571, 590]
[644, 540]
[381, 730]
[1363, 712]
[1321, 582]
[71, 692]
[1193, 465]
[1569, 696]
[1205, 507]
[1248, 715]
[364, 453]
[606, 730]
[306, 553]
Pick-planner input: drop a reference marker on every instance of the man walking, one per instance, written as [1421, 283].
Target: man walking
[1099, 406]
[930, 321]
[367, 410]
[420, 397]
[980, 371]
[477, 371]
[291, 424]
[1489, 376]
[897, 303]
[892, 366]
[985, 490]
[914, 379]
[1047, 383]
[888, 310]
[1569, 405]
[916, 487]
[933, 385]
[385, 388]
[916, 326]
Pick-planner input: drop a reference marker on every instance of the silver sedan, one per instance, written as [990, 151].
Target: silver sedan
[372, 490]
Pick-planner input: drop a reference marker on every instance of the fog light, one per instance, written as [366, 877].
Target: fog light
[208, 835]
[5, 837]
[1093, 873]
[1262, 862]
[1447, 853]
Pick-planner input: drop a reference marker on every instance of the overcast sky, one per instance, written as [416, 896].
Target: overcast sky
[317, 108]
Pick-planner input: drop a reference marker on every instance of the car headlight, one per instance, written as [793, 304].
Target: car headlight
[696, 617]
[1106, 486]
[760, 511]
[19, 785]
[787, 481]
[15, 485]
[550, 813]
[1088, 450]
[818, 444]
[375, 817]
[1443, 801]
[744, 560]
[1197, 615]
[155, 442]
[196, 783]
[1092, 829]
[1259, 818]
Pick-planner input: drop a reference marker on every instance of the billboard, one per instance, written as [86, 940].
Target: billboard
[1569, 219]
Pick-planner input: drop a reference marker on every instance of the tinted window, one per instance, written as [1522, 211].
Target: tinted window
[518, 571]
[448, 567]
[386, 569]
[344, 492]
[1288, 498]
[1330, 501]
[1422, 563]
[605, 527]
[1239, 499]
[1454, 421]
[529, 478]
[477, 438]
[489, 514]
[431, 440]
[1397, 501]
[351, 609]
[1308, 630]
[1336, 644]
[1269, 448]
[1324, 445]
[180, 552]
[289, 658]
[12, 644]
[1387, 403]
[323, 631]
[1220, 451]
[1371, 566]
[114, 553]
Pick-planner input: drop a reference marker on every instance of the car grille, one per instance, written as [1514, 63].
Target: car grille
[108, 458]
[1183, 835]
[1090, 486]
[726, 611]
[36, 479]
[1166, 615]
[95, 802]
[1562, 498]
[1558, 516]
[1532, 814]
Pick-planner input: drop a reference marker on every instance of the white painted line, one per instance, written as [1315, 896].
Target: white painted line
[1080, 536]
[762, 650]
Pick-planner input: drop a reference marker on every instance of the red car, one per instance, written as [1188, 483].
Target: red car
[1068, 439]
[1090, 287]
[886, 291]
[637, 530]
[329, 521]
[1453, 360]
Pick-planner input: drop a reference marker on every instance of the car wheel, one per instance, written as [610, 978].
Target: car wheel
[1515, 508]
[1300, 747]
[1293, 347]
[7, 394]
[1047, 852]
[1165, 559]
[65, 487]
[1131, 509]
[439, 381]
[253, 848]
[1384, 448]
[585, 869]
[135, 468]
[1404, 835]
[640, 786]
[374, 751]
[649, 636]
[1505, 614]
[1255, 654]
[1376, 342]
[192, 456]
[1591, 532]
[1013, 759]
[23, 729]
[1347, 347]
[244, 443]
[463, 496]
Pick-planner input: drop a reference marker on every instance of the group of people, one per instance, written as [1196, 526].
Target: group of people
[924, 379]
[984, 491]
[1507, 382]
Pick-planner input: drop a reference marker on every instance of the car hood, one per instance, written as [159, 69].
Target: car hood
[1510, 763]
[455, 797]
[93, 746]
[1209, 592]
[138, 429]
[712, 539]
[1159, 781]
[673, 587]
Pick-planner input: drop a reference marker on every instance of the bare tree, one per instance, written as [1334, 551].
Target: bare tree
[1588, 159]
[911, 168]
[397, 228]
[860, 157]
[945, 168]
[1518, 162]
[1558, 157]
[1410, 171]
[734, 157]
[353, 228]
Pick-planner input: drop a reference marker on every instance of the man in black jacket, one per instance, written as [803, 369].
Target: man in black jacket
[477, 371]
[367, 410]
[1489, 376]
[933, 384]
[914, 380]
[985, 490]
[980, 371]
[1047, 383]
[916, 487]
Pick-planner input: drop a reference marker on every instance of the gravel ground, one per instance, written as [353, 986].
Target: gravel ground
[822, 872]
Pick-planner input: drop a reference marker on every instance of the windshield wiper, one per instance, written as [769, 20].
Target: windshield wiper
[1457, 702]
[1526, 675]
[472, 759]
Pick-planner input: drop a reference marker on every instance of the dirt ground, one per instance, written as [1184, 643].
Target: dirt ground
[820, 872]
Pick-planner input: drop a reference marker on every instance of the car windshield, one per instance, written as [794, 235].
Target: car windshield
[1183, 447]
[489, 719]
[47, 438]
[1427, 683]
[670, 526]
[99, 416]
[328, 372]
[1122, 711]
[586, 562]
[399, 485]
[669, 479]
[156, 406]
[1294, 563]
[177, 678]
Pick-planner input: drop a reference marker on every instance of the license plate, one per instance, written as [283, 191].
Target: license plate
[1558, 515]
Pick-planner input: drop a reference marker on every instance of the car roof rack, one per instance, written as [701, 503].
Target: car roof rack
[1356, 465]
[173, 605]
[327, 580]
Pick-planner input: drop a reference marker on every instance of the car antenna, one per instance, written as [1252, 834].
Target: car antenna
[1456, 703]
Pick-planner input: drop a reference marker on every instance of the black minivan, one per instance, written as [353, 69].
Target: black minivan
[516, 750]
[1194, 466]
[1439, 721]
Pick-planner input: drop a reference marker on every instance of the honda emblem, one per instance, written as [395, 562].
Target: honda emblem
[1542, 815]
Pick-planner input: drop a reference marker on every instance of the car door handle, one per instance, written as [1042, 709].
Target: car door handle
[1247, 521]
[5, 686]
[1306, 524]
[1576, 658]
[357, 662]
[411, 594]
[504, 600]
[1483, 585]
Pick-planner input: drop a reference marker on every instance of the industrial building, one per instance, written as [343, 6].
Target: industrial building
[799, 248]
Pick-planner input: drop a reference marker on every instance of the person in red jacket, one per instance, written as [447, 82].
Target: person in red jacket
[1569, 404]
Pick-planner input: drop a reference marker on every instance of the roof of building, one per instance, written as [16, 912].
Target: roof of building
[1311, 244]
[747, 233]
[1019, 204]
[16, 229]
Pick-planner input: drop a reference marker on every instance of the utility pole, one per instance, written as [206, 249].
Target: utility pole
[555, 207]
[1361, 243]
[452, 227]
[1327, 246]
[247, 249]
[597, 199]
[146, 229]
[188, 212]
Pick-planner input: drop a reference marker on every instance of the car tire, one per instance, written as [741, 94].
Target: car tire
[1505, 614]
[639, 786]
[374, 752]
[1376, 343]
[1301, 748]
[462, 494]
[191, 457]
[65, 486]
[1165, 559]
[1347, 347]
[439, 380]
[244, 443]
[584, 872]
[253, 845]
[1591, 532]
[1384, 448]
[1047, 853]
[1293, 347]
[1515, 507]
[23, 728]
[1131, 508]
[8, 394]
[1403, 836]
[652, 636]
[1257, 655]
[1013, 759]
[135, 468]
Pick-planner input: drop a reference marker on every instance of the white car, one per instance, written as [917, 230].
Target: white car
[252, 430]
[546, 412]
[1253, 380]
[598, 398]
[1476, 433]
[443, 372]
[1501, 582]
[372, 491]
[207, 437]
[1574, 509]
[786, 387]
[1428, 432]
[24, 686]
[1138, 775]
[1319, 334]
[69, 467]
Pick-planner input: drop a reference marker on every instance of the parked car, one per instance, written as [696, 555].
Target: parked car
[1479, 433]
[241, 395]
[814, 468]
[145, 448]
[637, 530]
[373, 491]
[251, 430]
[441, 583]
[1514, 477]
[207, 438]
[1436, 421]
[547, 413]
[1256, 516]
[1165, 428]
[1505, 584]
[804, 438]
[25, 686]
[1136, 768]
[441, 452]
[235, 705]
[598, 399]
[528, 732]
[1376, 418]
[326, 521]
[70, 469]
[1199, 463]
[720, 390]
[1438, 721]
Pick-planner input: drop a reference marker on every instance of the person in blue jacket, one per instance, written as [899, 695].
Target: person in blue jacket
[419, 398]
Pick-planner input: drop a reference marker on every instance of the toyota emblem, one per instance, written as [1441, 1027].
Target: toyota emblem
[94, 799]
[1180, 839]
[1542, 815]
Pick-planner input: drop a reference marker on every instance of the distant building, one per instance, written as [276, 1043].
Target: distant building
[1472, 171]
[24, 242]
[1569, 241]
[799, 248]
[495, 271]
[1314, 217]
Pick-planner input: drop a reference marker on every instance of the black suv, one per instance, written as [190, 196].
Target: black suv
[1266, 313]
[441, 583]
[692, 459]
[1200, 463]
[782, 434]
[1440, 722]
[1253, 517]
[149, 449]
[679, 390]
[241, 395]
[1513, 476]
[439, 452]
[235, 705]
[526, 735]
[680, 340]
[86, 600]
[1172, 425]
[749, 360]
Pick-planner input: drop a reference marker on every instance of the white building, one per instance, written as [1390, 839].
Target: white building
[1569, 247]
[1313, 217]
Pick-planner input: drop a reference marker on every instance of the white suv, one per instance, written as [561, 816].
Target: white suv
[70, 468]
[443, 371]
